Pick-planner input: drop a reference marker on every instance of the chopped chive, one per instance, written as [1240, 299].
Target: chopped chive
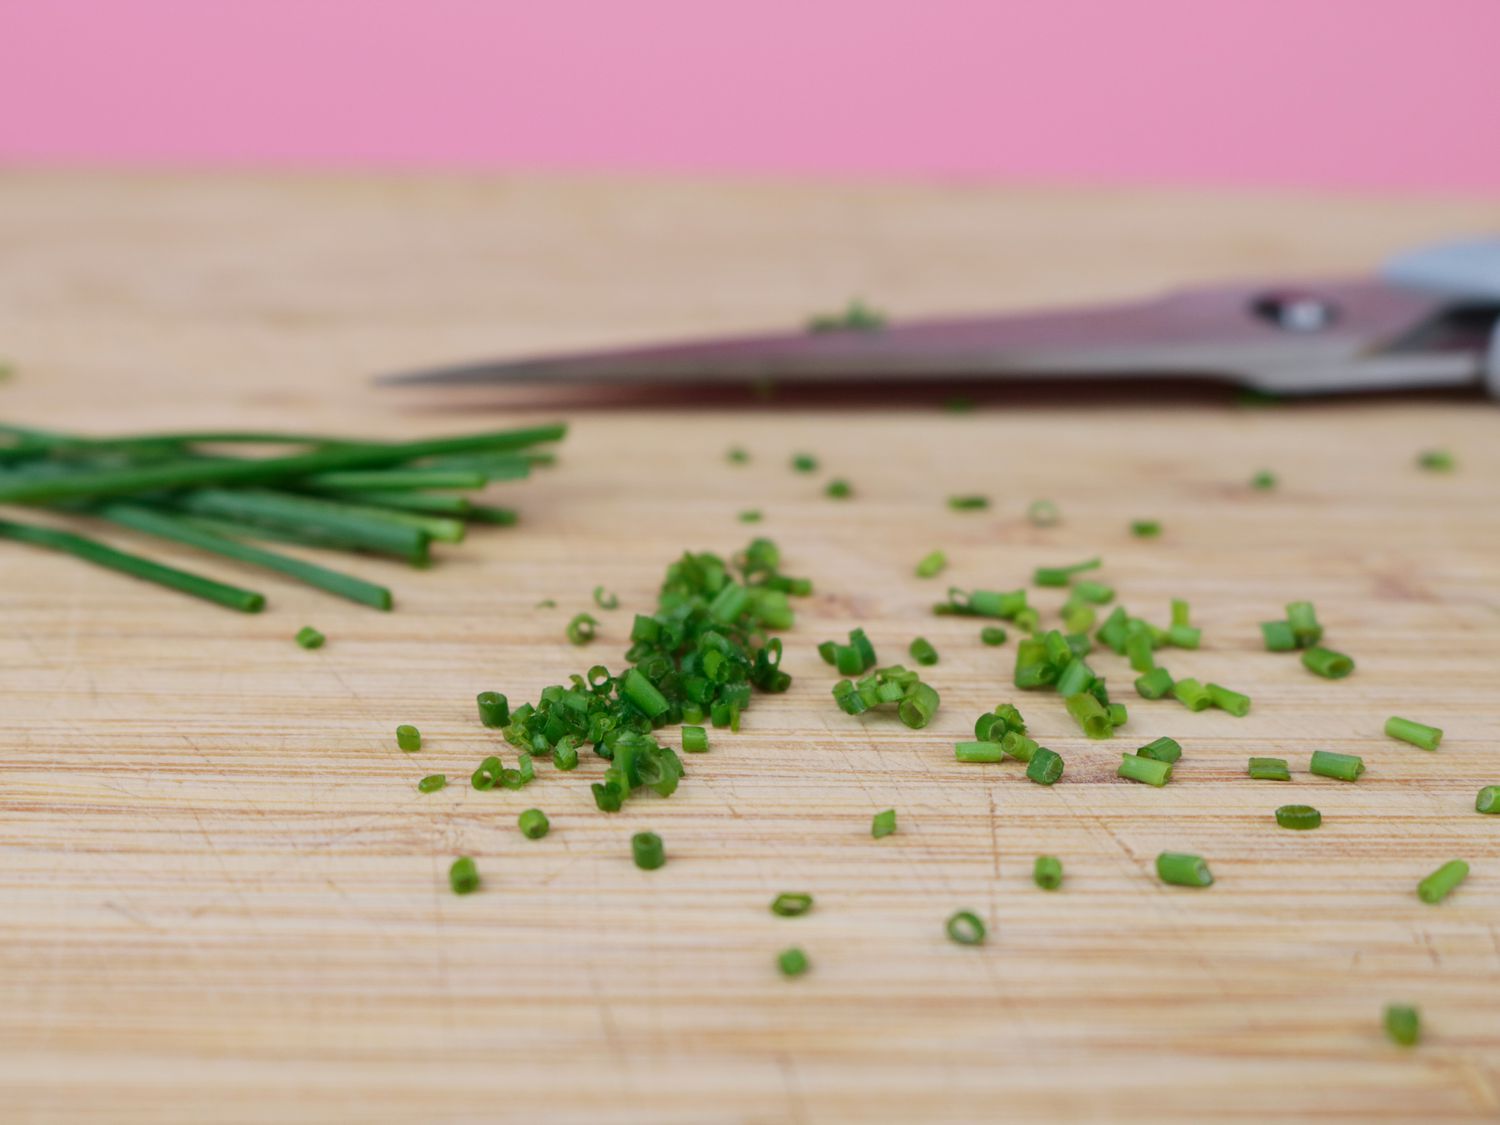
[1027, 618]
[966, 928]
[1095, 593]
[1442, 882]
[1263, 480]
[931, 564]
[1115, 630]
[1191, 694]
[432, 783]
[1140, 651]
[1303, 620]
[1436, 461]
[1327, 663]
[546, 603]
[1418, 734]
[533, 824]
[918, 706]
[1047, 872]
[1182, 870]
[883, 824]
[983, 603]
[791, 905]
[1089, 714]
[308, 637]
[792, 962]
[463, 876]
[1269, 769]
[1150, 771]
[804, 463]
[647, 850]
[1278, 635]
[580, 630]
[1043, 513]
[1341, 767]
[605, 600]
[565, 756]
[1045, 767]
[1062, 575]
[1078, 617]
[737, 455]
[1154, 684]
[494, 709]
[1118, 715]
[694, 740]
[922, 652]
[968, 503]
[487, 776]
[1183, 636]
[1225, 700]
[838, 489]
[750, 515]
[992, 635]
[1145, 529]
[1167, 750]
[1300, 817]
[1016, 745]
[977, 751]
[408, 737]
[1488, 800]
[1402, 1024]
[1181, 612]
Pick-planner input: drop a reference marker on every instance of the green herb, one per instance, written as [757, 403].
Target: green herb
[750, 515]
[1154, 684]
[971, 503]
[1263, 480]
[694, 740]
[791, 905]
[856, 317]
[605, 600]
[408, 738]
[580, 630]
[1442, 882]
[977, 751]
[565, 757]
[546, 603]
[1062, 575]
[1047, 872]
[804, 463]
[1327, 663]
[1301, 817]
[922, 652]
[1162, 750]
[1436, 461]
[1279, 636]
[1403, 1024]
[1269, 769]
[400, 480]
[1341, 767]
[1418, 734]
[308, 637]
[737, 455]
[982, 603]
[533, 824]
[1016, 745]
[1488, 800]
[1148, 771]
[488, 775]
[494, 709]
[932, 564]
[1145, 529]
[1192, 695]
[992, 635]
[646, 848]
[1183, 636]
[916, 701]
[883, 824]
[792, 962]
[851, 659]
[966, 928]
[992, 725]
[1225, 700]
[1303, 620]
[1182, 870]
[838, 489]
[1045, 766]
[1043, 513]
[1088, 713]
[1118, 715]
[463, 876]
[432, 783]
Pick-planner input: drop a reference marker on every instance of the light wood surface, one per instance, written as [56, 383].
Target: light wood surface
[221, 897]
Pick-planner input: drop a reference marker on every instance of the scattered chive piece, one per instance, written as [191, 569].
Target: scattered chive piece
[1304, 622]
[922, 651]
[308, 637]
[1154, 684]
[792, 962]
[992, 635]
[533, 824]
[750, 515]
[605, 600]
[1043, 513]
[432, 783]
[1341, 767]
[1162, 750]
[494, 709]
[1045, 767]
[1402, 1024]
[1419, 735]
[580, 630]
[1184, 636]
[1062, 575]
[1300, 817]
[932, 564]
[487, 776]
[1027, 618]
[1436, 461]
[546, 603]
[1278, 635]
[565, 756]
[1191, 694]
[966, 928]
[1327, 663]
[791, 904]
[968, 503]
[1047, 872]
[983, 603]
[977, 751]
[1088, 713]
[1263, 480]
[1488, 799]
[883, 824]
[1096, 593]
[838, 489]
[1078, 617]
[805, 463]
[1150, 771]
[463, 876]
[408, 737]
[694, 740]
[1118, 715]
[1016, 745]
[1145, 529]
[737, 455]
[1181, 612]
[1269, 769]
[1140, 652]
[1442, 882]
[1225, 700]
[1183, 870]
[646, 848]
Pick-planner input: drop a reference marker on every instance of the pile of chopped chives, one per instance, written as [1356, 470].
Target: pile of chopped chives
[852, 659]
[916, 702]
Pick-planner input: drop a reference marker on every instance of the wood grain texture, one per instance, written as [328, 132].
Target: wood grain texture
[222, 898]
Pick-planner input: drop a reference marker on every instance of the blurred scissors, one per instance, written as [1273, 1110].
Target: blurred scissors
[1429, 319]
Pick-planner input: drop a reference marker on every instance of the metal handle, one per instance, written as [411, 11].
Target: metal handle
[1466, 270]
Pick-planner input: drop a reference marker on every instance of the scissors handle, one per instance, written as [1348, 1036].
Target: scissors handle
[1468, 270]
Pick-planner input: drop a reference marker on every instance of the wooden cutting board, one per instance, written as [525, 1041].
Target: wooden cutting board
[221, 896]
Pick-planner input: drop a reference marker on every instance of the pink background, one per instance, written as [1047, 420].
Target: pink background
[1364, 93]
